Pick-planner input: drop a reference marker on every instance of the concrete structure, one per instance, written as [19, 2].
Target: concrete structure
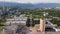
[42, 25]
[17, 20]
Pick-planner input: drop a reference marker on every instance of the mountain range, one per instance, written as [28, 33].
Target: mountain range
[38, 5]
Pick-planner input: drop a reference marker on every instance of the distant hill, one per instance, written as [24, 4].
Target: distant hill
[15, 4]
[39, 5]
[47, 5]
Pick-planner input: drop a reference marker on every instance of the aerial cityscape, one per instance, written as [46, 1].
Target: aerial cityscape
[29, 17]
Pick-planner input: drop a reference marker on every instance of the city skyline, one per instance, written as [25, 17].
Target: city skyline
[32, 1]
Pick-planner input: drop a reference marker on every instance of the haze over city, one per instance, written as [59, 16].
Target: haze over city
[32, 1]
[29, 16]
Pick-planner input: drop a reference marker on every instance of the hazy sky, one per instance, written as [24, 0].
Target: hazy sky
[33, 1]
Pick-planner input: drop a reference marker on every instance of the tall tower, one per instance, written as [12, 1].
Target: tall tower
[42, 25]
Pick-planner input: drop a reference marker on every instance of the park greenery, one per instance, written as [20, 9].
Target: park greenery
[37, 13]
[2, 23]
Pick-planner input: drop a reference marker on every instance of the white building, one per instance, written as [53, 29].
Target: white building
[17, 20]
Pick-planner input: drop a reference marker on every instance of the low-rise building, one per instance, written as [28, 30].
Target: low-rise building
[17, 20]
